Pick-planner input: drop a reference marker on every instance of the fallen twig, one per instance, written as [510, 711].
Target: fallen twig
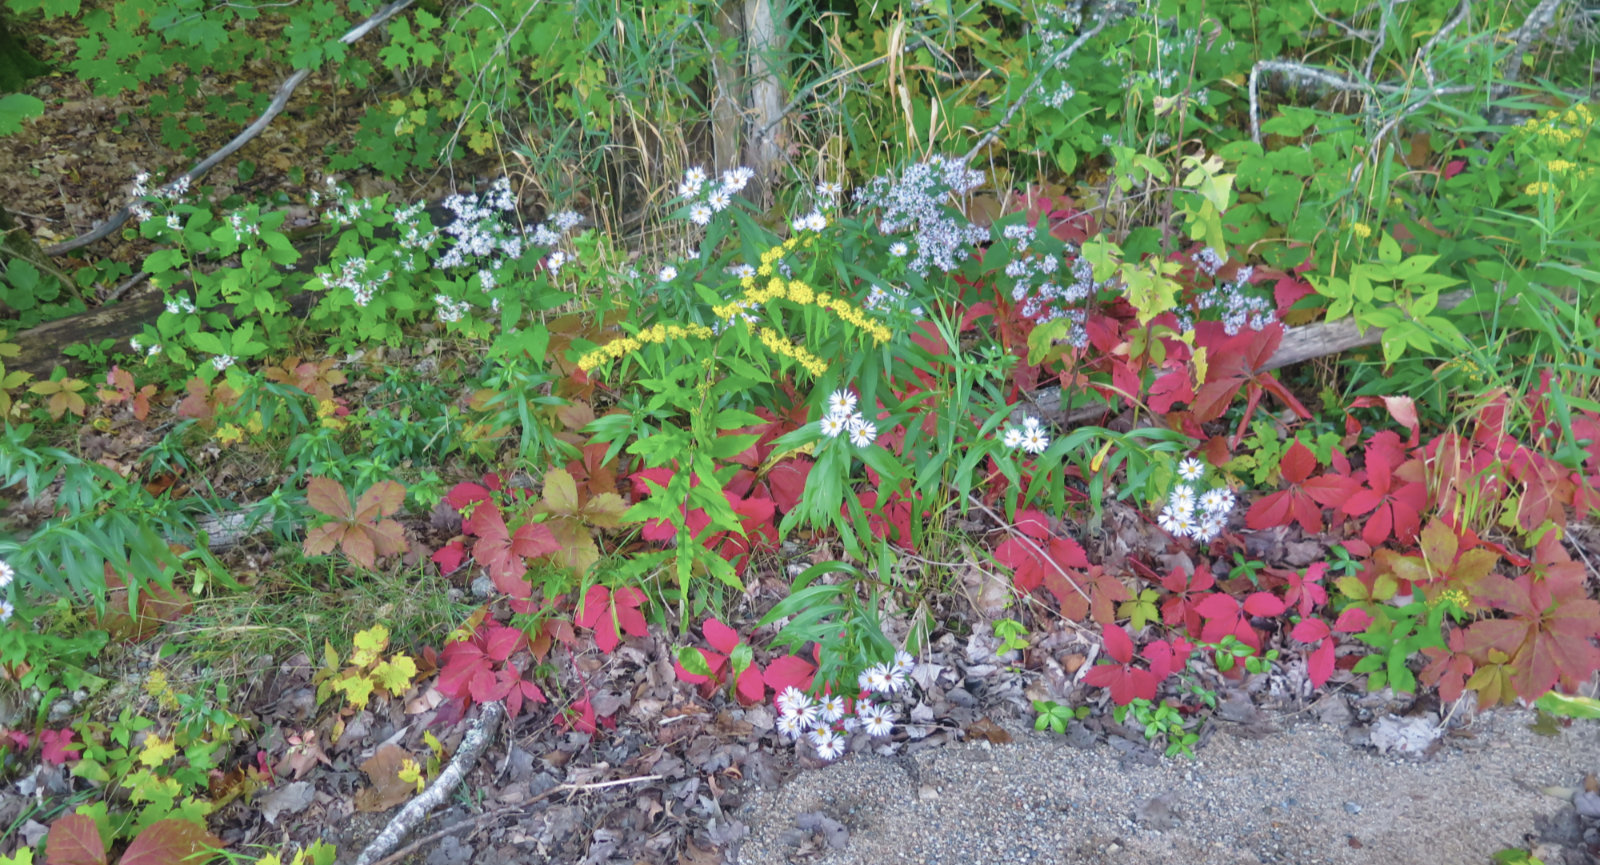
[485, 817]
[416, 811]
[281, 99]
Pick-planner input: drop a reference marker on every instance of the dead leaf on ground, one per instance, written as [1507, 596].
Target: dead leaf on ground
[989, 731]
[291, 798]
[694, 854]
[387, 790]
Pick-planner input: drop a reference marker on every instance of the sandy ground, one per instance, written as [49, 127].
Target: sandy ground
[1300, 796]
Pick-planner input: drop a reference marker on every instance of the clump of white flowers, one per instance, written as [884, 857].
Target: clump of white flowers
[826, 721]
[918, 201]
[1029, 437]
[1234, 300]
[706, 198]
[1198, 515]
[842, 419]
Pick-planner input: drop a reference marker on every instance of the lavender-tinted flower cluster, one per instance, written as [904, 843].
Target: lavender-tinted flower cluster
[172, 193]
[1201, 516]
[1234, 300]
[917, 202]
[1045, 295]
[826, 721]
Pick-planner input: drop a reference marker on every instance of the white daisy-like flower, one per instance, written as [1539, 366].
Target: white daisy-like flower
[864, 679]
[6, 610]
[1168, 520]
[877, 679]
[862, 433]
[222, 362]
[830, 745]
[719, 200]
[1209, 527]
[740, 271]
[667, 274]
[1183, 494]
[831, 709]
[1030, 423]
[1012, 438]
[1191, 469]
[808, 715]
[7, 574]
[174, 222]
[1212, 501]
[833, 425]
[693, 179]
[897, 681]
[1186, 525]
[841, 402]
[735, 179]
[898, 249]
[829, 189]
[1035, 442]
[789, 725]
[876, 719]
[700, 214]
[792, 699]
[904, 663]
[816, 221]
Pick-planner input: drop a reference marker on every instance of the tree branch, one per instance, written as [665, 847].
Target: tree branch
[281, 99]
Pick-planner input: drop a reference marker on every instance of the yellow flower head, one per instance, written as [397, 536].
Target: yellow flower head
[1361, 230]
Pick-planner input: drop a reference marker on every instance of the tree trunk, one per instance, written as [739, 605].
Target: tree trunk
[764, 98]
[16, 64]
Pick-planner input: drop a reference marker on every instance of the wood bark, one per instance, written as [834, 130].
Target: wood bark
[764, 98]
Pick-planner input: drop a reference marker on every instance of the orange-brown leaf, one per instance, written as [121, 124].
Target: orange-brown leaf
[327, 496]
[380, 500]
[321, 540]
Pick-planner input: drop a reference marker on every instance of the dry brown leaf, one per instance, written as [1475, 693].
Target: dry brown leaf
[387, 790]
[985, 729]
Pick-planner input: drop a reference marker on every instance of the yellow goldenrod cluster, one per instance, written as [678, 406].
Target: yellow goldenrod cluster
[1539, 187]
[1561, 127]
[778, 344]
[798, 292]
[1361, 230]
[1559, 166]
[1457, 597]
[655, 334]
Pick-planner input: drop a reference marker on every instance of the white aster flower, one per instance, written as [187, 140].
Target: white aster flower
[793, 699]
[1183, 497]
[222, 362]
[719, 200]
[174, 222]
[877, 679]
[1191, 469]
[789, 725]
[816, 221]
[1013, 438]
[830, 745]
[831, 709]
[6, 610]
[842, 402]
[904, 663]
[829, 189]
[700, 214]
[693, 179]
[862, 433]
[1168, 520]
[897, 681]
[1212, 501]
[834, 425]
[7, 574]
[876, 720]
[1035, 441]
[667, 274]
[808, 715]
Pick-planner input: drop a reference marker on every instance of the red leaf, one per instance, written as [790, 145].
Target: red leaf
[1319, 664]
[1310, 630]
[172, 842]
[789, 671]
[1264, 604]
[788, 482]
[1118, 645]
[1036, 525]
[720, 636]
[752, 686]
[450, 556]
[74, 840]
[1297, 463]
[1353, 620]
[53, 746]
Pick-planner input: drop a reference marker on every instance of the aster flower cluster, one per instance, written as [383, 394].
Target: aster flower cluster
[828, 720]
[172, 193]
[1201, 516]
[1029, 437]
[916, 202]
[707, 198]
[1046, 292]
[1234, 300]
[843, 419]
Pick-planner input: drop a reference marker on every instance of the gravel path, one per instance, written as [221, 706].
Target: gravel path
[1300, 796]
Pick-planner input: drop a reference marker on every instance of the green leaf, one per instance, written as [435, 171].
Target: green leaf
[691, 660]
[15, 108]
